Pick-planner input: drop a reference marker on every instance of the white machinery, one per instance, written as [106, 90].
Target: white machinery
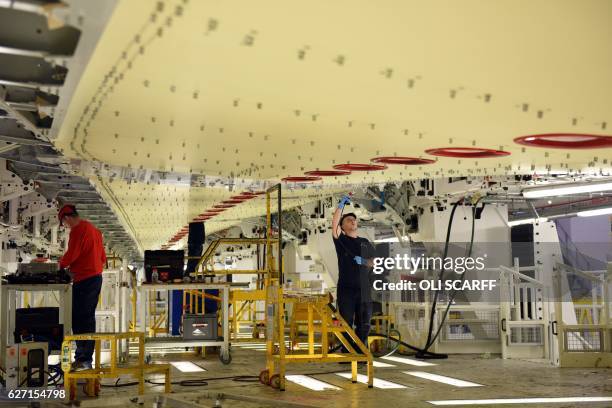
[26, 365]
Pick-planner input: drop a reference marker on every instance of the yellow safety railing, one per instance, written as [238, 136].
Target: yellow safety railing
[321, 317]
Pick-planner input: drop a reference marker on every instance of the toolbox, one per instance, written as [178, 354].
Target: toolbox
[200, 327]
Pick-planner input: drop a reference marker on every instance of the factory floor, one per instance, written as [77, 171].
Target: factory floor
[497, 379]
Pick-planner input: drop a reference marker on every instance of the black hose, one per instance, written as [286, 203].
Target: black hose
[451, 298]
[387, 352]
[399, 342]
[425, 351]
[55, 375]
[196, 382]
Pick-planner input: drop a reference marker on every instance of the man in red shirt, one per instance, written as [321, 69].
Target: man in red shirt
[85, 258]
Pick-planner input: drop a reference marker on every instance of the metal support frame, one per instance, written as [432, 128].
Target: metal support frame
[109, 305]
[98, 372]
[224, 288]
[8, 297]
[318, 309]
[584, 344]
[524, 335]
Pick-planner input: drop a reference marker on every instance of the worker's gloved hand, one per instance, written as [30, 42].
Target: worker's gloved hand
[359, 260]
[64, 275]
[346, 199]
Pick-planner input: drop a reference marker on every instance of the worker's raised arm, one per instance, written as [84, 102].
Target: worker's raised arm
[337, 214]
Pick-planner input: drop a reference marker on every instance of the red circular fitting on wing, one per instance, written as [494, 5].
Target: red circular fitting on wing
[407, 161]
[360, 167]
[327, 173]
[566, 141]
[224, 206]
[301, 179]
[466, 152]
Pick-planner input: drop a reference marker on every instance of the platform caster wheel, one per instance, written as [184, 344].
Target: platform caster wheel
[97, 388]
[72, 392]
[225, 356]
[275, 381]
[148, 358]
[255, 333]
[264, 377]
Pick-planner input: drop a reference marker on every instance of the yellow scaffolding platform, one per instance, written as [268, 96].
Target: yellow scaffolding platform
[242, 302]
[319, 314]
[244, 312]
[94, 375]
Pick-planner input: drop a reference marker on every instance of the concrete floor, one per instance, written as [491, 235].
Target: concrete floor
[500, 379]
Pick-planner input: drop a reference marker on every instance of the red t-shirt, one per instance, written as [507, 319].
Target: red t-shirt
[85, 255]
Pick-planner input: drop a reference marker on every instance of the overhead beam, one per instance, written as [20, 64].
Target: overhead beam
[22, 30]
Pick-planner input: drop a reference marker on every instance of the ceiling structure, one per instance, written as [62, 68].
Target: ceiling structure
[259, 91]
[157, 211]
[38, 43]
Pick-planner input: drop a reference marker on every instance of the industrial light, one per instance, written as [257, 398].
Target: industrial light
[186, 366]
[378, 383]
[390, 239]
[301, 179]
[402, 160]
[360, 167]
[592, 213]
[466, 152]
[566, 141]
[442, 379]
[404, 238]
[327, 173]
[408, 361]
[526, 221]
[311, 383]
[520, 401]
[566, 189]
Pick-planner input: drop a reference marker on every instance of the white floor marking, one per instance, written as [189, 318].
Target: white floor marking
[520, 401]
[311, 383]
[378, 383]
[442, 379]
[410, 361]
[380, 364]
[187, 366]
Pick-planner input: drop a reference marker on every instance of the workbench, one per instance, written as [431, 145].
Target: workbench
[8, 298]
[223, 343]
